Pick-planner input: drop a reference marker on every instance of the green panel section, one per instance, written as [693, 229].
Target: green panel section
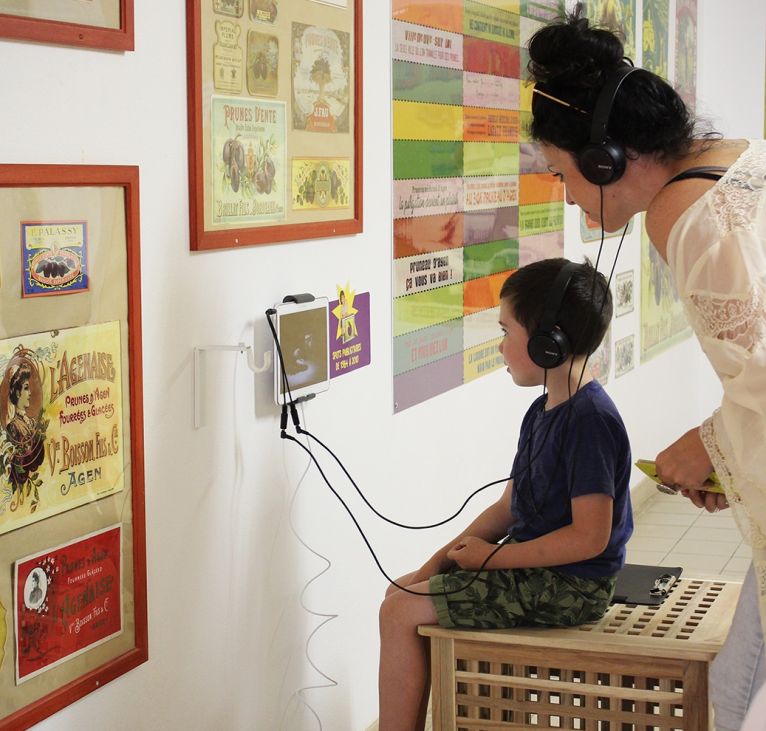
[419, 349]
[427, 159]
[482, 260]
[491, 158]
[416, 311]
[492, 24]
[541, 218]
[417, 82]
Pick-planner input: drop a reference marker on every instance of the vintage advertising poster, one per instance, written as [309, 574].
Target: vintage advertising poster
[250, 182]
[623, 293]
[663, 321]
[617, 15]
[471, 197]
[233, 8]
[264, 11]
[349, 331]
[54, 257]
[321, 78]
[320, 183]
[67, 600]
[61, 441]
[656, 31]
[262, 63]
[591, 230]
[600, 362]
[686, 51]
[227, 57]
[624, 359]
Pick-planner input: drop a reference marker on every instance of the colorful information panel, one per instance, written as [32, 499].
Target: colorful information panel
[472, 197]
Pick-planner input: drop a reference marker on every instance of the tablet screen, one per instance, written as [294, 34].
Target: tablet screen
[303, 336]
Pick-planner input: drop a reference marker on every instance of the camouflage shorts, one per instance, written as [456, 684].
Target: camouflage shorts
[505, 598]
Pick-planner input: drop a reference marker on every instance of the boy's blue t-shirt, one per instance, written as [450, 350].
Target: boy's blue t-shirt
[577, 448]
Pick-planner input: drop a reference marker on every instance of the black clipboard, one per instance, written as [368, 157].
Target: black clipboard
[639, 584]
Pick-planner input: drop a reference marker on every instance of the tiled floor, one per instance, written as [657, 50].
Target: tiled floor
[670, 531]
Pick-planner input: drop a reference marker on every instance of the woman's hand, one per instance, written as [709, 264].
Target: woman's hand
[685, 463]
[711, 501]
[470, 552]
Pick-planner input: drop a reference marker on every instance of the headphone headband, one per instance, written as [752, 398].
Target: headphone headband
[556, 296]
[602, 161]
[605, 101]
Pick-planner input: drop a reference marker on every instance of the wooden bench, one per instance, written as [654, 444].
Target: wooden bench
[643, 666]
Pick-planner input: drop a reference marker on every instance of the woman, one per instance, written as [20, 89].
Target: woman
[22, 432]
[623, 142]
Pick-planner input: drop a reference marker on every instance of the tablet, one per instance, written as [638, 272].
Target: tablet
[302, 332]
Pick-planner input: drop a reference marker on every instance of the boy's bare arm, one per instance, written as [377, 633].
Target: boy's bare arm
[491, 525]
[585, 537]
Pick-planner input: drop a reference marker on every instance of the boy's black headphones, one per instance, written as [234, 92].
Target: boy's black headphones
[548, 346]
[602, 161]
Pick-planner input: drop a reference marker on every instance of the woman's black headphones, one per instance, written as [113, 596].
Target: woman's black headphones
[602, 161]
[549, 346]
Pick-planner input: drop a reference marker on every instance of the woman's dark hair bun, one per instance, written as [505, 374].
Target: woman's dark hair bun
[572, 51]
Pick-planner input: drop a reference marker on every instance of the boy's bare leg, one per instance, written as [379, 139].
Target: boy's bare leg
[404, 676]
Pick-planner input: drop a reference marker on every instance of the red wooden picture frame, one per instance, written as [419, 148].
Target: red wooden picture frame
[42, 30]
[204, 236]
[126, 178]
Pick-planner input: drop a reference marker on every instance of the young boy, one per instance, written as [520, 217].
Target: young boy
[565, 514]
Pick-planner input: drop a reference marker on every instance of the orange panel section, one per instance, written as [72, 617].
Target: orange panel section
[481, 294]
[421, 234]
[540, 188]
[444, 14]
[490, 125]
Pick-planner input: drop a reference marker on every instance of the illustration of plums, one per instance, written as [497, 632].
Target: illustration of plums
[234, 175]
[262, 182]
[269, 168]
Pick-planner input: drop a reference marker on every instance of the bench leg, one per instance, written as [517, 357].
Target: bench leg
[697, 716]
[443, 703]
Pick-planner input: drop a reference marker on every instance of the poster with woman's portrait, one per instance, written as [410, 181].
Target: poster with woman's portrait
[61, 441]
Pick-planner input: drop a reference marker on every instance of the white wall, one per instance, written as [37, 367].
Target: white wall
[227, 632]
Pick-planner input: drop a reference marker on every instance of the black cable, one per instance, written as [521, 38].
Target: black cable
[301, 430]
[285, 435]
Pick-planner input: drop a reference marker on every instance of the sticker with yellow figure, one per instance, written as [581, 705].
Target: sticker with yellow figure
[350, 341]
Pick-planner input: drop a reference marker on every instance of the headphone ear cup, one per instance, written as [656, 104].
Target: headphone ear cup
[549, 348]
[602, 163]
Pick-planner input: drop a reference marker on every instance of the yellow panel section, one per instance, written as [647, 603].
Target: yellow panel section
[419, 121]
[481, 360]
[511, 6]
[525, 98]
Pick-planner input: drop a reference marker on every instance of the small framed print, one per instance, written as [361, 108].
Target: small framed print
[624, 355]
[624, 292]
[106, 24]
[73, 612]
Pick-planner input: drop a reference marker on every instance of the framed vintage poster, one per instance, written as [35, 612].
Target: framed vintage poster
[275, 120]
[106, 24]
[72, 530]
